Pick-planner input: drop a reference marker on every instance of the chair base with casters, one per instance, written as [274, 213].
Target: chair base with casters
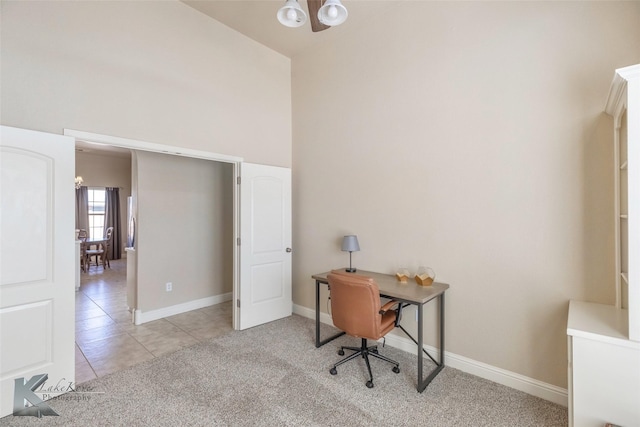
[364, 351]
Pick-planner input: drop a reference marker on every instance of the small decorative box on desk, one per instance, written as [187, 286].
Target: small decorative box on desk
[425, 276]
[402, 275]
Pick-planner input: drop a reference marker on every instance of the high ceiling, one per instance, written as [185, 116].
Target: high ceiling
[257, 20]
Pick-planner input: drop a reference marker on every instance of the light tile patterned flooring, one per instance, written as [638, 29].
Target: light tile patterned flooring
[106, 339]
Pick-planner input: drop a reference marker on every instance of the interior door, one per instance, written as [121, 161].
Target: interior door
[37, 261]
[265, 244]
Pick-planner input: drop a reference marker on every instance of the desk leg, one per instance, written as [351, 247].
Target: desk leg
[420, 345]
[422, 384]
[442, 330]
[318, 342]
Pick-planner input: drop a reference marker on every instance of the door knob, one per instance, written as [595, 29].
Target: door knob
[289, 249]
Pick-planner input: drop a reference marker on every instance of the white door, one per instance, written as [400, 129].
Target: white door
[265, 244]
[37, 261]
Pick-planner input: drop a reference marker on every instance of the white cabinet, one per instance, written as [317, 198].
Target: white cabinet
[77, 268]
[604, 340]
[604, 367]
[132, 279]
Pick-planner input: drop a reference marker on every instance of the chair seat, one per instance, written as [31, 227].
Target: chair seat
[98, 253]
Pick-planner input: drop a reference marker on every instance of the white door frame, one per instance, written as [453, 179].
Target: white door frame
[133, 144]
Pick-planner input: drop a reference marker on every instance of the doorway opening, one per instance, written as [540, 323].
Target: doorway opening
[105, 298]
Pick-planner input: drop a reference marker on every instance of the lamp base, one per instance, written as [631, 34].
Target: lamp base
[350, 270]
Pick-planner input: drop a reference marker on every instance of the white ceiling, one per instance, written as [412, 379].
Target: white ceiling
[257, 20]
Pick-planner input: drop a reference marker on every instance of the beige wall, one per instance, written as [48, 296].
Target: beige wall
[101, 170]
[156, 71]
[469, 137]
[184, 229]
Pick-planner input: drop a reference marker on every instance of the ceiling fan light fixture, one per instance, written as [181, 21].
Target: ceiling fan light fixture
[332, 13]
[291, 14]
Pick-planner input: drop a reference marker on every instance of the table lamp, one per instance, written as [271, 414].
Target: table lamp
[350, 244]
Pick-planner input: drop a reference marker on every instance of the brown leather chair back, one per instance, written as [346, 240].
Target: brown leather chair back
[355, 306]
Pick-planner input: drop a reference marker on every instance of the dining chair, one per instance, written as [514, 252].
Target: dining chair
[107, 247]
[101, 251]
[97, 253]
[82, 236]
[355, 309]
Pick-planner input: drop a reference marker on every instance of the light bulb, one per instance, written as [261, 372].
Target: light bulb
[292, 15]
[332, 12]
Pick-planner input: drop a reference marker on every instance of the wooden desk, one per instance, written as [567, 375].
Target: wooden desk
[408, 293]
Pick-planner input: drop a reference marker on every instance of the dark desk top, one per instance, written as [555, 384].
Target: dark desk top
[390, 287]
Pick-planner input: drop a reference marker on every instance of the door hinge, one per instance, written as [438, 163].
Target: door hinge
[238, 241]
[238, 179]
[238, 303]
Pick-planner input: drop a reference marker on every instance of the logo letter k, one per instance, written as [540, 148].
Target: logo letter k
[25, 391]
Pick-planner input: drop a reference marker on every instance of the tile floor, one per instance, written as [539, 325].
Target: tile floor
[106, 339]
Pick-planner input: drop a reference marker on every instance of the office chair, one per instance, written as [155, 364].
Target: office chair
[355, 309]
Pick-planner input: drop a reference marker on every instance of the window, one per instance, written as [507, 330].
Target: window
[96, 212]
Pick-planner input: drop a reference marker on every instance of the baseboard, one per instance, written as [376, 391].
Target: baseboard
[519, 382]
[151, 315]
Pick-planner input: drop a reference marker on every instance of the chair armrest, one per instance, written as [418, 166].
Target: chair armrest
[388, 306]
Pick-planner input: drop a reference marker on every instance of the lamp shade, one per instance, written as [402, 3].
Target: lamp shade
[332, 13]
[291, 14]
[350, 243]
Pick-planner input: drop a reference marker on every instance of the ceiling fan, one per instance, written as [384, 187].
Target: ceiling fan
[323, 14]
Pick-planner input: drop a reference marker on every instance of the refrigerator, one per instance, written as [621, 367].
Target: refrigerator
[131, 223]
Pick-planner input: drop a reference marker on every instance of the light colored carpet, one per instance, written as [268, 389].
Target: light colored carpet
[273, 375]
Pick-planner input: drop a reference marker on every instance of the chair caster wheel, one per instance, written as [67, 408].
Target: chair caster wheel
[370, 384]
[333, 371]
[396, 369]
[341, 352]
